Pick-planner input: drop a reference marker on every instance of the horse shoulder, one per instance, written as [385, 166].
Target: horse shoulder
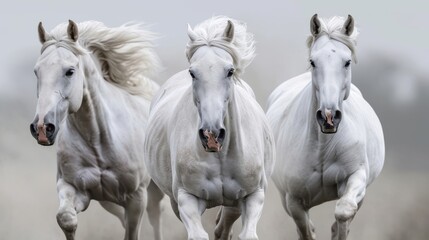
[159, 141]
[367, 125]
[289, 89]
[253, 117]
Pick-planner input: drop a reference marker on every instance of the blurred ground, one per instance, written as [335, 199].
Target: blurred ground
[392, 74]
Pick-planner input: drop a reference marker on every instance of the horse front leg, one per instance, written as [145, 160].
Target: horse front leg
[251, 209]
[134, 208]
[154, 208]
[296, 210]
[224, 222]
[190, 210]
[71, 204]
[348, 204]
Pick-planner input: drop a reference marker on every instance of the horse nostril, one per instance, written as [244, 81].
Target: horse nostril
[50, 129]
[320, 117]
[201, 134]
[338, 115]
[221, 135]
[33, 130]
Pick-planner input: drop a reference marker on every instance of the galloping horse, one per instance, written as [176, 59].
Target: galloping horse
[320, 159]
[208, 141]
[93, 91]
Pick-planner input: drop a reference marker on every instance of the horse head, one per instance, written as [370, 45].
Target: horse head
[212, 71]
[60, 81]
[331, 54]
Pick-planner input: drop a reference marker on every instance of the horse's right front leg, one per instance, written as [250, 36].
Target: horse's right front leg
[70, 205]
[301, 217]
[190, 210]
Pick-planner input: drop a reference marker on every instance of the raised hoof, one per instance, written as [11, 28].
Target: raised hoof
[67, 221]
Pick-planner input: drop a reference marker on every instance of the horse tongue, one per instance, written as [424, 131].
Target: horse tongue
[42, 133]
[212, 143]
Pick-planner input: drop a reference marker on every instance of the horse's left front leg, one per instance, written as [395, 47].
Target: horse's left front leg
[71, 203]
[190, 210]
[348, 204]
[251, 212]
[134, 208]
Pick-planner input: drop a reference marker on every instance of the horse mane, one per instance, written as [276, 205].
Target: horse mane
[209, 32]
[332, 27]
[125, 54]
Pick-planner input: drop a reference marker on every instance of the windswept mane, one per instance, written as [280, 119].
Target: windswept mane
[332, 28]
[125, 53]
[209, 32]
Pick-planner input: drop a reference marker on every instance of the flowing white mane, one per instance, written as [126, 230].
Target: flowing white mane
[242, 47]
[125, 53]
[332, 28]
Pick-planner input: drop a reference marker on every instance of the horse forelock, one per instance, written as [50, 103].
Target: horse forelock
[210, 33]
[332, 27]
[125, 53]
[64, 43]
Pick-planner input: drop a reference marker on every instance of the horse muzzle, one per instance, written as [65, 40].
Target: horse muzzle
[43, 133]
[329, 120]
[212, 141]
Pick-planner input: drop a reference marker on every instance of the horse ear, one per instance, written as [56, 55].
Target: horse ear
[72, 31]
[43, 36]
[191, 34]
[315, 25]
[228, 34]
[349, 26]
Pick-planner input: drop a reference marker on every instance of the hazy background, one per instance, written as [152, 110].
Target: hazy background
[392, 73]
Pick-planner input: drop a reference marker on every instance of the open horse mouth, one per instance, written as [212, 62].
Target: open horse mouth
[211, 143]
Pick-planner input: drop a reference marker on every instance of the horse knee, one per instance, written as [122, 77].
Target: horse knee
[67, 220]
[345, 210]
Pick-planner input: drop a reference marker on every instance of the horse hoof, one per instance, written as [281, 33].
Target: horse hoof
[67, 220]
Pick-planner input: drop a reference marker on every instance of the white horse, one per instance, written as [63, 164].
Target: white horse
[208, 141]
[93, 92]
[320, 159]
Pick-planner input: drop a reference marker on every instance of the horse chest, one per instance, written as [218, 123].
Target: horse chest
[316, 177]
[216, 183]
[105, 182]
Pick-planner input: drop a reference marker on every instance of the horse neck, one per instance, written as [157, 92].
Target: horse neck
[90, 119]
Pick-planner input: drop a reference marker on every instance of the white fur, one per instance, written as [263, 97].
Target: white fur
[236, 176]
[314, 167]
[209, 33]
[332, 27]
[101, 116]
[125, 53]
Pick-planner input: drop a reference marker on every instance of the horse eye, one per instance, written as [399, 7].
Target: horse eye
[230, 72]
[348, 63]
[192, 74]
[70, 72]
[312, 63]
